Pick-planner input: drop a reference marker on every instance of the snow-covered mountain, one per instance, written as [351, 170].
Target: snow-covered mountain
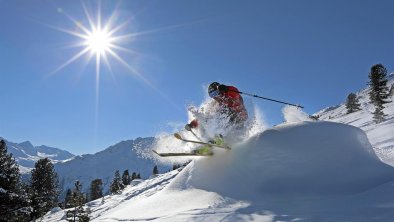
[85, 168]
[122, 156]
[26, 154]
[380, 135]
[305, 171]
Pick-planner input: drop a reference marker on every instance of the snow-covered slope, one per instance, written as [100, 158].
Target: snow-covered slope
[139, 190]
[26, 154]
[380, 135]
[308, 171]
[102, 165]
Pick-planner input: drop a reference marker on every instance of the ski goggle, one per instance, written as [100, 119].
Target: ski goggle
[214, 93]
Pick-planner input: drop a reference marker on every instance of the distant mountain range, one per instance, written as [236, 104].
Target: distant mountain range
[26, 154]
[125, 155]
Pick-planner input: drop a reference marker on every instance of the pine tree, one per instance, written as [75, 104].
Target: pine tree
[352, 103]
[134, 176]
[126, 178]
[379, 90]
[78, 198]
[391, 93]
[378, 114]
[116, 185]
[96, 189]
[44, 185]
[138, 176]
[68, 199]
[155, 170]
[77, 202]
[13, 204]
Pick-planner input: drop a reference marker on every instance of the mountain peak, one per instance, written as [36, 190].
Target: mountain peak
[28, 148]
[26, 144]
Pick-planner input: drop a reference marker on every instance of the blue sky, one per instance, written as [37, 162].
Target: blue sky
[309, 52]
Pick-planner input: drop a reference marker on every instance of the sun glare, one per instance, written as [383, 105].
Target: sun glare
[99, 41]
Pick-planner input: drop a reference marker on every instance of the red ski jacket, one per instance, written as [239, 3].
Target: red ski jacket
[232, 103]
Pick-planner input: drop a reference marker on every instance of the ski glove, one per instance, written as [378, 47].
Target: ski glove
[191, 125]
[223, 88]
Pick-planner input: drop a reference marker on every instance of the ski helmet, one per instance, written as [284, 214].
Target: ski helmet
[213, 86]
[213, 89]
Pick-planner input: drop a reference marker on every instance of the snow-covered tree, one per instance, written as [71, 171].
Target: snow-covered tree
[96, 189]
[13, 204]
[117, 184]
[352, 103]
[392, 90]
[44, 185]
[126, 178]
[379, 90]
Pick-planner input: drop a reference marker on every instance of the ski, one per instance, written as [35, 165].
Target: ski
[179, 154]
[178, 136]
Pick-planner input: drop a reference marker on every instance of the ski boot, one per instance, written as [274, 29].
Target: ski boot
[207, 149]
[203, 150]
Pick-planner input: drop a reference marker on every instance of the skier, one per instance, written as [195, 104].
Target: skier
[227, 102]
[230, 103]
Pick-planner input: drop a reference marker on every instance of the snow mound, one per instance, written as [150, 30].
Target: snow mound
[306, 159]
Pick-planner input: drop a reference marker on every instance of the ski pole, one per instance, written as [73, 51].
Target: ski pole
[188, 128]
[260, 97]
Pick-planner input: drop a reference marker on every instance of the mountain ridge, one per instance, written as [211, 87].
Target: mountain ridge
[26, 154]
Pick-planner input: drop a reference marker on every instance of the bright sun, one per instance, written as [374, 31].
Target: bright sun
[99, 41]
